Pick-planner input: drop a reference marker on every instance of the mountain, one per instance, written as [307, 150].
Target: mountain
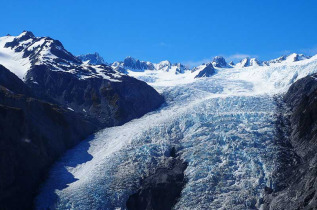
[247, 62]
[205, 70]
[167, 66]
[56, 75]
[220, 62]
[50, 100]
[132, 64]
[93, 58]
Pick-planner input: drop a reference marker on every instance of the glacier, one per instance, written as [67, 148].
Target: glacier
[222, 126]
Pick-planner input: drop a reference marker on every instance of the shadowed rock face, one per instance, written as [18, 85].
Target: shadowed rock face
[208, 71]
[162, 189]
[111, 103]
[33, 135]
[301, 180]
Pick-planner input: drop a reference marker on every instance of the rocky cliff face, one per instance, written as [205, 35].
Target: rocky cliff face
[206, 70]
[34, 133]
[300, 183]
[111, 102]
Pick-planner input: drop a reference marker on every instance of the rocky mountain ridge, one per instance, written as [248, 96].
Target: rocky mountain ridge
[131, 64]
[54, 74]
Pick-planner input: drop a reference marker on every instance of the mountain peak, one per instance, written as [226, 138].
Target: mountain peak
[245, 62]
[296, 57]
[219, 61]
[165, 63]
[26, 34]
[135, 64]
[92, 58]
[206, 70]
[254, 62]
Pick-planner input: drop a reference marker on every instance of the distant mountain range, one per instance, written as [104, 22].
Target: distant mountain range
[135, 65]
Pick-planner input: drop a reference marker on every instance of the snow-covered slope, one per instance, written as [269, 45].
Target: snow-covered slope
[21, 53]
[223, 126]
[13, 60]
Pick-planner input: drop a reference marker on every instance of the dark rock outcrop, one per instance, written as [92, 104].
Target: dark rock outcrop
[208, 71]
[34, 134]
[301, 181]
[160, 190]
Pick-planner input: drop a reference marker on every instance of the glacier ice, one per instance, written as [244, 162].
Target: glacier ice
[222, 126]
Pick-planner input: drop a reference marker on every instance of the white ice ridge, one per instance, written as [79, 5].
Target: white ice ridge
[222, 126]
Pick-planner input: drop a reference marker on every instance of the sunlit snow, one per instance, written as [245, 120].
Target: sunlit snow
[12, 60]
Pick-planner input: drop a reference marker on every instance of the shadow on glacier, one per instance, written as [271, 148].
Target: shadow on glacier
[59, 173]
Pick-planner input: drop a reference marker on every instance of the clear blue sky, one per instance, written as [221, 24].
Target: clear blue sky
[187, 31]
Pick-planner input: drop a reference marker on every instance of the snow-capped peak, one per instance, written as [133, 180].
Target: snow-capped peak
[163, 65]
[254, 62]
[219, 61]
[20, 53]
[92, 58]
[246, 62]
[135, 65]
[26, 35]
[296, 57]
